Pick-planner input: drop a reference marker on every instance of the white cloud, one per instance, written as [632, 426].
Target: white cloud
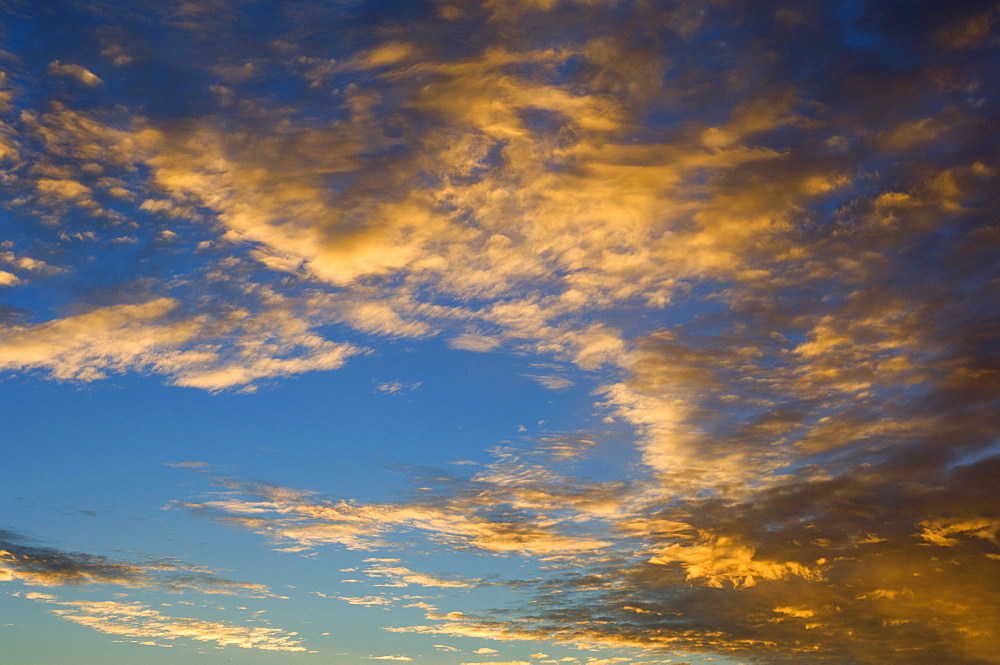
[397, 386]
[400, 658]
[552, 382]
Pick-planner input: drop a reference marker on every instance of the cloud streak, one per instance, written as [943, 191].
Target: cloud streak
[46, 566]
[497, 512]
[135, 620]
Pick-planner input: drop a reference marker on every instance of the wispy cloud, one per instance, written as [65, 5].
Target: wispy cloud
[467, 518]
[401, 576]
[135, 620]
[398, 658]
[551, 381]
[188, 465]
[396, 386]
[154, 336]
[45, 566]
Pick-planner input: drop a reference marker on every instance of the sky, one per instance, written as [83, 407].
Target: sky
[499, 332]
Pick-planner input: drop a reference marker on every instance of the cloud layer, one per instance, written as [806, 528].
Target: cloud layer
[764, 235]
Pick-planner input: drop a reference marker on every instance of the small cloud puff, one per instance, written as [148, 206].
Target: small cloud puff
[551, 381]
[84, 76]
[399, 658]
[473, 342]
[396, 386]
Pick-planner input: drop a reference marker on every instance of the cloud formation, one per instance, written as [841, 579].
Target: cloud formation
[499, 511]
[135, 620]
[81, 74]
[828, 569]
[511, 178]
[46, 566]
[764, 236]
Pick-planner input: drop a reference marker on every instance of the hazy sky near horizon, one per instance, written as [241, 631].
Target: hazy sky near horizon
[499, 332]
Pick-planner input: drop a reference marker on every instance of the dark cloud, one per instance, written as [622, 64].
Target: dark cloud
[45, 566]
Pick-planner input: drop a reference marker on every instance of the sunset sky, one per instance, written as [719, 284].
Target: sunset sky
[499, 332]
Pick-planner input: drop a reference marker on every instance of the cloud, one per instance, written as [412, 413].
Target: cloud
[767, 236]
[155, 335]
[81, 74]
[473, 342]
[400, 658]
[552, 382]
[944, 532]
[135, 620]
[269, 193]
[396, 386]
[967, 31]
[368, 601]
[837, 583]
[45, 566]
[294, 223]
[188, 465]
[568, 446]
[544, 512]
[465, 521]
[402, 576]
[717, 559]
[789, 568]
[27, 264]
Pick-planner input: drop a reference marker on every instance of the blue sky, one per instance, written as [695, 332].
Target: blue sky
[499, 332]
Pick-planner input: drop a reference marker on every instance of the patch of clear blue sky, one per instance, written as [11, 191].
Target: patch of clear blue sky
[339, 418]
